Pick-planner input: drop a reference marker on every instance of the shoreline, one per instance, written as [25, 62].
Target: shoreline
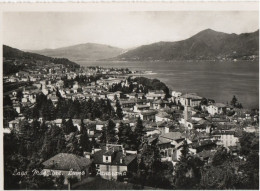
[149, 75]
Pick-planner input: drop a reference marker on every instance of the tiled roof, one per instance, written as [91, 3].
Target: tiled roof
[162, 140]
[172, 135]
[66, 161]
[149, 112]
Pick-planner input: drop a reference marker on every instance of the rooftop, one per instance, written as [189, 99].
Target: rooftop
[66, 161]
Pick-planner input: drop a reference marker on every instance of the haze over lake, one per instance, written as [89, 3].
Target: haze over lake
[215, 80]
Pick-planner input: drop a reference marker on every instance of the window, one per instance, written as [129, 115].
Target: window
[106, 158]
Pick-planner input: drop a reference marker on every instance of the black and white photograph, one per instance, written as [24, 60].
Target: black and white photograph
[146, 98]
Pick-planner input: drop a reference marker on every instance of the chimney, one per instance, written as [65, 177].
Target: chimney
[123, 151]
[121, 160]
[93, 150]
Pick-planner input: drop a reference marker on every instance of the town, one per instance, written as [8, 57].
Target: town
[84, 127]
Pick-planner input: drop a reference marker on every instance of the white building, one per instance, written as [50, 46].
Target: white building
[216, 108]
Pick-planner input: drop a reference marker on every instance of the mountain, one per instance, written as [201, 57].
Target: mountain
[83, 52]
[205, 45]
[10, 53]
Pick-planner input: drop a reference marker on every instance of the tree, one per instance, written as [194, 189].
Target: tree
[7, 101]
[119, 110]
[121, 130]
[220, 157]
[218, 177]
[84, 142]
[124, 135]
[73, 145]
[233, 101]
[9, 113]
[111, 132]
[103, 137]
[139, 133]
[69, 127]
[19, 95]
[204, 101]
[249, 143]
[182, 177]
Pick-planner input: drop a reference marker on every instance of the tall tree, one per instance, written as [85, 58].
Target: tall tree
[119, 111]
[84, 142]
[139, 133]
[182, 169]
[111, 132]
[233, 101]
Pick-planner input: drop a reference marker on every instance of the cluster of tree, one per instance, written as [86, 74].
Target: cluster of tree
[36, 142]
[7, 101]
[9, 114]
[143, 85]
[130, 138]
[22, 157]
[10, 86]
[226, 171]
[66, 62]
[43, 108]
[124, 89]
[151, 171]
[82, 80]
[11, 68]
[234, 102]
[76, 109]
[187, 170]
[152, 84]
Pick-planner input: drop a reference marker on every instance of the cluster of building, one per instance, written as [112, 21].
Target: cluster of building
[168, 121]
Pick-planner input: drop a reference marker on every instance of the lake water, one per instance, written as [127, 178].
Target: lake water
[215, 80]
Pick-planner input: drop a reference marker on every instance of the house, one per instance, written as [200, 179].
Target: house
[176, 94]
[148, 115]
[216, 108]
[251, 129]
[198, 117]
[152, 131]
[17, 108]
[13, 124]
[226, 138]
[135, 95]
[7, 130]
[68, 165]
[167, 142]
[113, 161]
[155, 94]
[130, 103]
[60, 83]
[158, 104]
[113, 95]
[162, 116]
[204, 144]
[140, 108]
[190, 99]
[58, 122]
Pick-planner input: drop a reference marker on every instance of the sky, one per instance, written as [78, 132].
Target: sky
[40, 30]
